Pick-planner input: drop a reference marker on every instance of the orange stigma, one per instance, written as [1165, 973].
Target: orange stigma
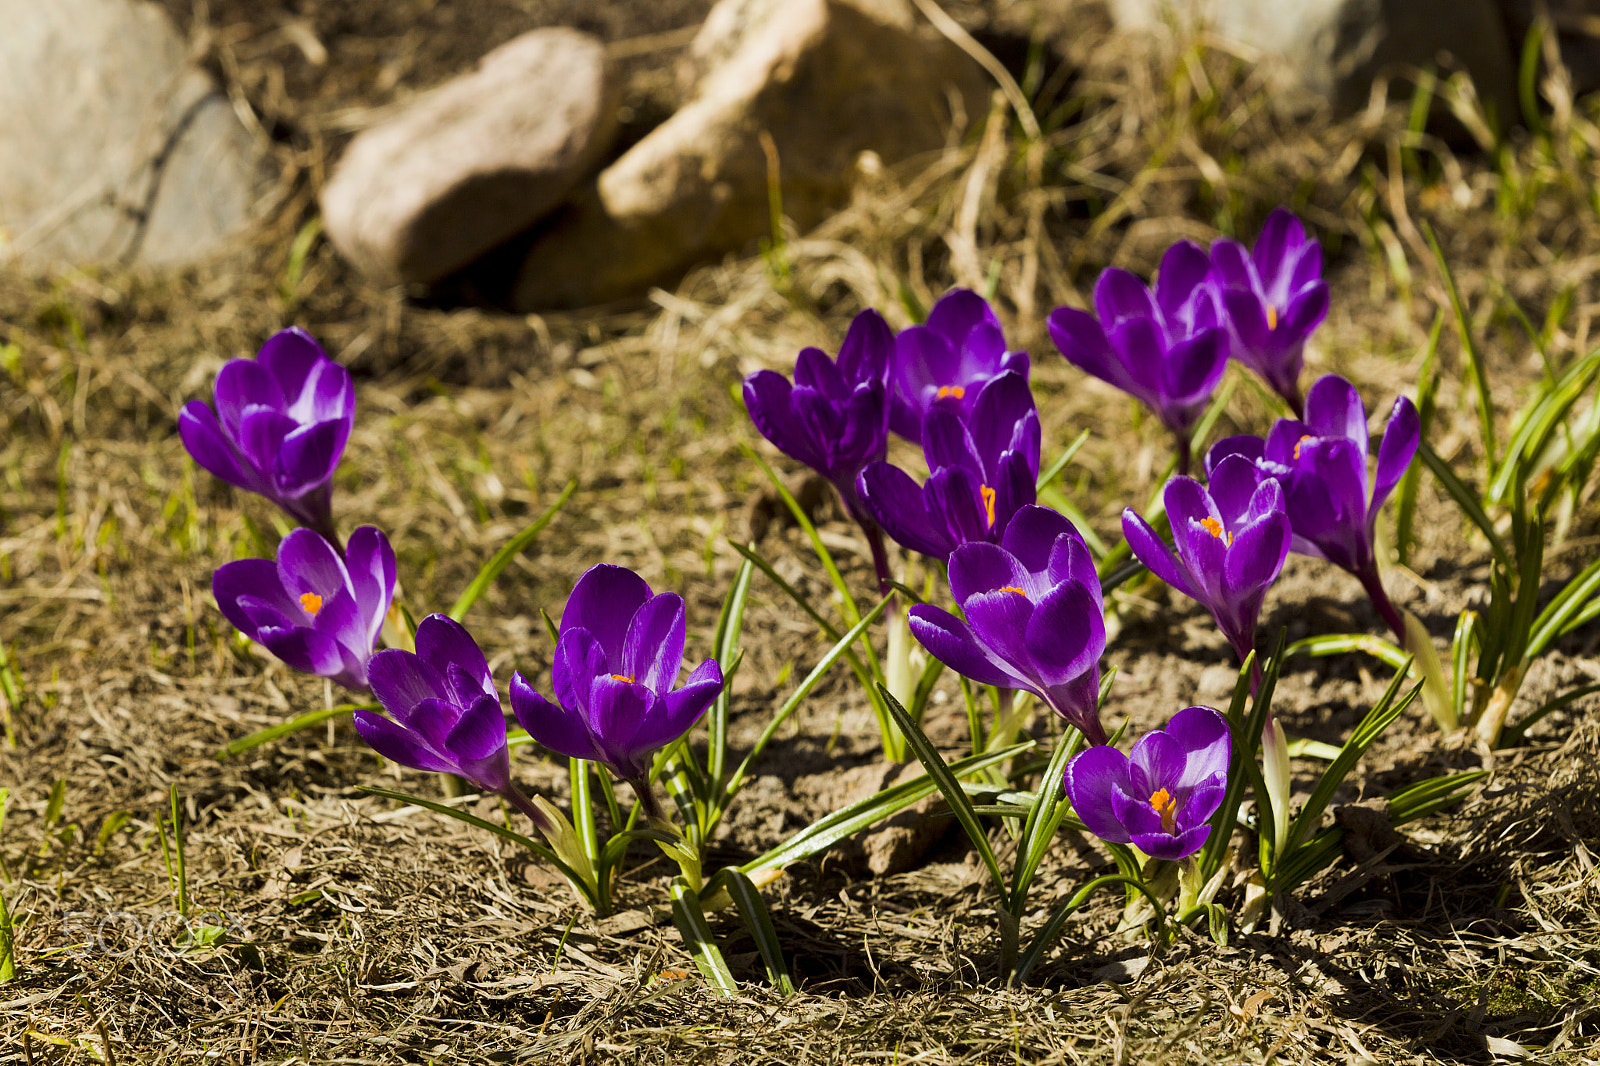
[1299, 442]
[1163, 804]
[951, 392]
[311, 602]
[1272, 317]
[622, 677]
[1212, 526]
[988, 503]
[1012, 588]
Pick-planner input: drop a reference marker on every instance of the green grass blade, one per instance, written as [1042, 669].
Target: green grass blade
[1558, 617]
[1046, 936]
[690, 919]
[852, 613]
[1244, 749]
[1038, 832]
[939, 771]
[572, 876]
[753, 909]
[1385, 652]
[1457, 490]
[1427, 403]
[1431, 796]
[1461, 646]
[1066, 456]
[1386, 710]
[509, 551]
[293, 725]
[725, 649]
[1514, 735]
[847, 821]
[1543, 418]
[1475, 361]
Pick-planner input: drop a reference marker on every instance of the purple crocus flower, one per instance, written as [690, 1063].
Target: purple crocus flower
[279, 428]
[946, 361]
[1034, 617]
[1231, 542]
[984, 468]
[444, 707]
[618, 653]
[1159, 797]
[1275, 298]
[1322, 465]
[317, 612]
[1167, 349]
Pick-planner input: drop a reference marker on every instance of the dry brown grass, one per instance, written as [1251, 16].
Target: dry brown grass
[358, 933]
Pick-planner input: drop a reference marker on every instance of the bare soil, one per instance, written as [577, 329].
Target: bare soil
[357, 931]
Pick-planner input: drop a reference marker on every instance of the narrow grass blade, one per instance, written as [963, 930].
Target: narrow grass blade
[1391, 655]
[1469, 344]
[757, 920]
[1541, 422]
[702, 946]
[1427, 403]
[509, 551]
[293, 725]
[1461, 646]
[847, 602]
[1245, 744]
[1046, 936]
[1044, 818]
[725, 649]
[8, 936]
[1514, 735]
[790, 705]
[1562, 614]
[175, 806]
[1066, 456]
[1431, 796]
[847, 821]
[1457, 490]
[573, 878]
[583, 810]
[939, 771]
[1386, 710]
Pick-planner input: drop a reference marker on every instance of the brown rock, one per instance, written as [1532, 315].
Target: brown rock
[827, 79]
[475, 161]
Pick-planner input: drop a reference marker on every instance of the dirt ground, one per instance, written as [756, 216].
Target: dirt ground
[357, 931]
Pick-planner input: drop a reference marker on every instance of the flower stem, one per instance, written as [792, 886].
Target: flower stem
[647, 800]
[512, 795]
[1368, 576]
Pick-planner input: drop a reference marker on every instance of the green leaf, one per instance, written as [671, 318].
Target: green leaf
[1391, 655]
[1044, 818]
[758, 922]
[847, 821]
[1046, 936]
[1566, 612]
[502, 558]
[939, 771]
[690, 919]
[1464, 498]
[293, 725]
[573, 878]
[1469, 344]
[1386, 710]
[725, 649]
[1540, 423]
[1514, 735]
[1066, 456]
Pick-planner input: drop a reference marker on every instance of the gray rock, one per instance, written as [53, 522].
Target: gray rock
[475, 161]
[116, 148]
[828, 79]
[1330, 51]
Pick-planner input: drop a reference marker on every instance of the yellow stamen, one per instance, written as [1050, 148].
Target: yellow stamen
[1212, 526]
[951, 392]
[1013, 588]
[1165, 805]
[1299, 442]
[311, 602]
[622, 677]
[988, 503]
[1272, 317]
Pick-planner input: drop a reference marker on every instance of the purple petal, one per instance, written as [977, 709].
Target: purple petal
[604, 601]
[896, 502]
[578, 660]
[1003, 404]
[479, 732]
[1133, 809]
[767, 396]
[254, 578]
[1204, 799]
[1032, 535]
[1281, 238]
[1184, 268]
[960, 311]
[680, 709]
[398, 744]
[1194, 366]
[1401, 437]
[211, 449]
[954, 499]
[311, 652]
[1245, 446]
[443, 643]
[369, 560]
[617, 712]
[402, 681]
[290, 356]
[1066, 633]
[949, 640]
[1305, 312]
[1334, 409]
[1202, 735]
[260, 440]
[1092, 777]
[1154, 553]
[981, 567]
[1119, 295]
[1082, 342]
[309, 455]
[244, 385]
[556, 728]
[1156, 762]
[867, 348]
[307, 563]
[1172, 847]
[1234, 270]
[653, 649]
[1256, 556]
